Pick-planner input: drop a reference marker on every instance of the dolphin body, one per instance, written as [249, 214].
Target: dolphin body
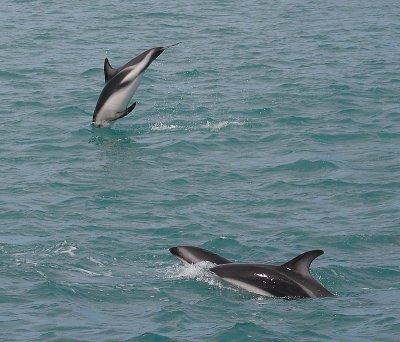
[289, 280]
[121, 84]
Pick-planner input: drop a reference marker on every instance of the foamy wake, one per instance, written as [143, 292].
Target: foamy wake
[159, 126]
[199, 272]
[63, 248]
[216, 126]
[209, 125]
[94, 274]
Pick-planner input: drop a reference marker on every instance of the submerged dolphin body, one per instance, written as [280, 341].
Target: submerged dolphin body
[121, 84]
[290, 280]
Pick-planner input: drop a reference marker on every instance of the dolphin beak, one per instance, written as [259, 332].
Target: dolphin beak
[167, 47]
[174, 251]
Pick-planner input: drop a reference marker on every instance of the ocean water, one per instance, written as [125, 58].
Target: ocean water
[272, 129]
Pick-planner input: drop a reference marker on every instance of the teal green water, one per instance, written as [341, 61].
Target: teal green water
[272, 129]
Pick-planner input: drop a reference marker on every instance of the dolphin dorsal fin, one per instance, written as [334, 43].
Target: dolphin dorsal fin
[109, 71]
[301, 263]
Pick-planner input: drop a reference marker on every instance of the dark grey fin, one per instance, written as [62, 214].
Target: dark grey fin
[120, 115]
[109, 71]
[301, 263]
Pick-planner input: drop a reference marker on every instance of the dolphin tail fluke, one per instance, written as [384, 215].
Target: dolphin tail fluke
[120, 115]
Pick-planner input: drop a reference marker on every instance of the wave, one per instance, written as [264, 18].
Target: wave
[28, 104]
[304, 166]
[149, 337]
[189, 73]
[295, 120]
[7, 75]
[248, 331]
[329, 138]
[334, 184]
[93, 274]
[92, 71]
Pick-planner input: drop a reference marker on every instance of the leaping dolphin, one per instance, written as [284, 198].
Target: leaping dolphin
[121, 84]
[289, 280]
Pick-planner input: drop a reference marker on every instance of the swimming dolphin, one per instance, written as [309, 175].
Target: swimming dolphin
[121, 84]
[289, 280]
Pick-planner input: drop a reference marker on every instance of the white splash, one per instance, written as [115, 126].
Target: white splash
[199, 272]
[41, 273]
[164, 127]
[69, 251]
[216, 126]
[95, 261]
[213, 126]
[93, 274]
[61, 249]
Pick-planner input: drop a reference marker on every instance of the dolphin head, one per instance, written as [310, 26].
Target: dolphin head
[157, 51]
[193, 255]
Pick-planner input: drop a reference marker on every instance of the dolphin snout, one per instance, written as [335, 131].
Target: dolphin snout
[174, 251]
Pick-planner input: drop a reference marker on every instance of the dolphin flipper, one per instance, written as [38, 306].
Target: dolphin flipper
[120, 115]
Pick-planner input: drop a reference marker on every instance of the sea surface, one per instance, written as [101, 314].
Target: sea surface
[272, 129]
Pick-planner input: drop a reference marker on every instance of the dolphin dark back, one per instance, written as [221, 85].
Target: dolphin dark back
[110, 72]
[291, 279]
[270, 280]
